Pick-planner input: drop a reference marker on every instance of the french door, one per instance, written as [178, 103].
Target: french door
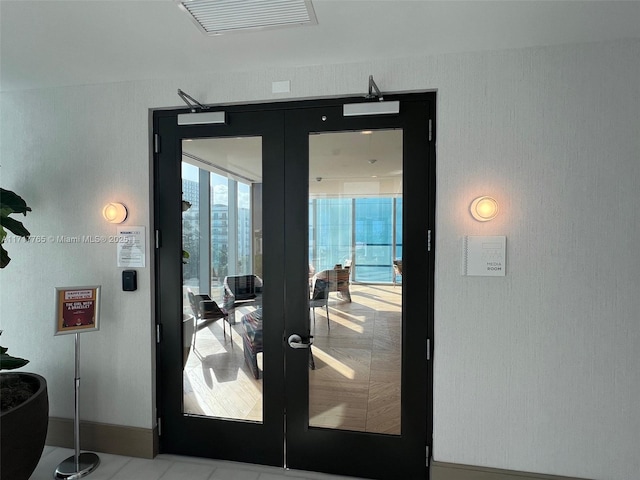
[286, 335]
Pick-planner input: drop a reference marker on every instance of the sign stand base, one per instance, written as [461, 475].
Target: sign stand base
[80, 464]
[70, 470]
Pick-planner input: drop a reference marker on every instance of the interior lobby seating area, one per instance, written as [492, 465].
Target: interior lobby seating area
[355, 384]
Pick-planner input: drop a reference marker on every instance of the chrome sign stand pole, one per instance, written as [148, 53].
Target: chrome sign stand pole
[80, 464]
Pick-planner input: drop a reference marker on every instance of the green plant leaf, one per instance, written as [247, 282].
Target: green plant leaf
[4, 257]
[7, 362]
[14, 226]
[13, 201]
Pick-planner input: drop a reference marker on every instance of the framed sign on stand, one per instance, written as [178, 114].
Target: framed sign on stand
[77, 310]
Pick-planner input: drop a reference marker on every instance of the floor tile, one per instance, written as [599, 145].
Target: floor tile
[50, 459]
[109, 464]
[284, 476]
[190, 471]
[234, 474]
[141, 469]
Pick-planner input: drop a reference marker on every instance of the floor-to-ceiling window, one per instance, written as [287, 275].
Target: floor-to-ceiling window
[364, 233]
[219, 206]
[227, 204]
[330, 241]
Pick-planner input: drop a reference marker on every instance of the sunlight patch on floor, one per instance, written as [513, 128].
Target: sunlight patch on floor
[331, 418]
[347, 320]
[337, 365]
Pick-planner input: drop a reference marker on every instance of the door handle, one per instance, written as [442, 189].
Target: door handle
[295, 341]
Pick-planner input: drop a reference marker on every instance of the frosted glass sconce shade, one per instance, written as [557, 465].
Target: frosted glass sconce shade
[484, 209]
[114, 212]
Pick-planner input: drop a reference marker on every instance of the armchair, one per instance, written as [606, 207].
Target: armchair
[205, 309]
[241, 290]
[320, 298]
[252, 339]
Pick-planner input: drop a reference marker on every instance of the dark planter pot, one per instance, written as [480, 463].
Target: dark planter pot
[23, 429]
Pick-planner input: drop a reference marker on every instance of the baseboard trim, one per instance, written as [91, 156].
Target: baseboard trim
[454, 471]
[105, 438]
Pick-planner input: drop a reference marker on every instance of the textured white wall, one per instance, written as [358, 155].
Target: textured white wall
[539, 370]
[535, 371]
[68, 152]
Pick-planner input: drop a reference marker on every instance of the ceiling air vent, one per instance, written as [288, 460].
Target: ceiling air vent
[215, 17]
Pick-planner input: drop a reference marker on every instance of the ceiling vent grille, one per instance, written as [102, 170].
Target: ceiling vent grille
[215, 17]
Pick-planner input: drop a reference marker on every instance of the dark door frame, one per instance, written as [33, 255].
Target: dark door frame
[189, 434]
[407, 449]
[167, 212]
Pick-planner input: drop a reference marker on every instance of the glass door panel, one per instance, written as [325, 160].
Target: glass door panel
[221, 288]
[220, 374]
[357, 374]
[355, 179]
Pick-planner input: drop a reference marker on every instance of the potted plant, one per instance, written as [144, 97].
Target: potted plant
[24, 418]
[24, 402]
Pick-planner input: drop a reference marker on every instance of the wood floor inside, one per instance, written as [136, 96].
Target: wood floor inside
[355, 384]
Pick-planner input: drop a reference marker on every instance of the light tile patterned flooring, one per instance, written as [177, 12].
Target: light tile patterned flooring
[171, 467]
[356, 383]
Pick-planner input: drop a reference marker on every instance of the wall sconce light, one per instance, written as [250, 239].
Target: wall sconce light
[484, 209]
[114, 212]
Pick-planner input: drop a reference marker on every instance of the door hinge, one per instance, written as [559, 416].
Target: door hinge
[428, 349]
[156, 143]
[427, 452]
[428, 240]
[430, 130]
[157, 238]
[158, 332]
[159, 426]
